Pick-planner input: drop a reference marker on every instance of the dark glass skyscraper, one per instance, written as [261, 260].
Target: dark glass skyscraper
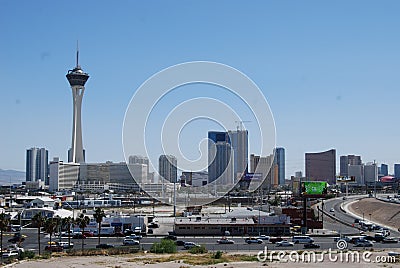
[280, 162]
[219, 157]
[321, 166]
[37, 165]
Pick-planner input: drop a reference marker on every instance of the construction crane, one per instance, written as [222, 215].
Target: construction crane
[240, 124]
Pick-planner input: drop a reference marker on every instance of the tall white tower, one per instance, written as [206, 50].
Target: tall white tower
[77, 79]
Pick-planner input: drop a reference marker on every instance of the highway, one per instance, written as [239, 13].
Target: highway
[209, 242]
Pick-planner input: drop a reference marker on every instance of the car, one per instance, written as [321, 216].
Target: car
[224, 240]
[65, 244]
[130, 242]
[311, 245]
[303, 239]
[54, 248]
[79, 236]
[88, 234]
[104, 246]
[171, 237]
[390, 240]
[17, 238]
[356, 221]
[128, 232]
[189, 245]
[150, 231]
[273, 240]
[253, 240]
[153, 225]
[344, 198]
[363, 243]
[284, 243]
[135, 237]
[180, 243]
[332, 210]
[10, 254]
[264, 237]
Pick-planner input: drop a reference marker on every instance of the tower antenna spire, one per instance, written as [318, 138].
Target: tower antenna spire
[77, 53]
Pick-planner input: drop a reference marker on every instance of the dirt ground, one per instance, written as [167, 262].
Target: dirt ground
[377, 211]
[151, 262]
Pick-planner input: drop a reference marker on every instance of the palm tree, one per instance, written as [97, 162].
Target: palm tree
[38, 220]
[82, 222]
[4, 222]
[50, 226]
[99, 215]
[67, 222]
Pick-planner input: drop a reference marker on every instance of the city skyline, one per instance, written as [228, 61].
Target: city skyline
[319, 74]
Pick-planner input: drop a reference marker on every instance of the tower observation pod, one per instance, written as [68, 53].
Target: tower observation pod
[77, 79]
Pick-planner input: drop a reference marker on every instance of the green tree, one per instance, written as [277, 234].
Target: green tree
[50, 226]
[99, 215]
[4, 222]
[66, 223]
[38, 220]
[82, 222]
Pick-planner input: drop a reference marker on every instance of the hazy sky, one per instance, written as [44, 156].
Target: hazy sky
[330, 70]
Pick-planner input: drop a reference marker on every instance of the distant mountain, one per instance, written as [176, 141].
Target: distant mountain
[14, 176]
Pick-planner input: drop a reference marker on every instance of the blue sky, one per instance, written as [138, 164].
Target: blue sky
[329, 69]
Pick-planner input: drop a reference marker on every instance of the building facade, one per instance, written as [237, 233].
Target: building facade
[240, 148]
[220, 158]
[347, 160]
[397, 171]
[63, 176]
[384, 170]
[280, 162]
[321, 166]
[370, 173]
[37, 165]
[167, 168]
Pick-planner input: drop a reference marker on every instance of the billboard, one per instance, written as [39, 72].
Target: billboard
[314, 188]
[344, 179]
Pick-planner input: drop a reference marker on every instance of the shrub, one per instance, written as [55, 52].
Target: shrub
[217, 255]
[165, 246]
[26, 255]
[198, 250]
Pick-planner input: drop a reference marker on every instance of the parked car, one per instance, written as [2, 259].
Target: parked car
[253, 240]
[311, 245]
[78, 236]
[332, 210]
[189, 245]
[180, 243]
[225, 240]
[88, 234]
[104, 246]
[363, 243]
[130, 242]
[273, 240]
[284, 243]
[153, 225]
[128, 232]
[10, 254]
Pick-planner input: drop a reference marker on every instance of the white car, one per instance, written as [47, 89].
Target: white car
[284, 243]
[189, 245]
[253, 240]
[130, 242]
[225, 241]
[263, 237]
[332, 210]
[10, 254]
